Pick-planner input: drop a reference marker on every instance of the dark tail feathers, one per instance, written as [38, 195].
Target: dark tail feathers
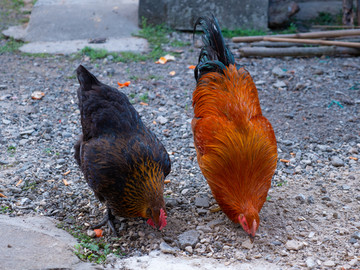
[215, 55]
[85, 78]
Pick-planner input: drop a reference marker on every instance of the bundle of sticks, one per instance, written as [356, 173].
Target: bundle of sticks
[297, 44]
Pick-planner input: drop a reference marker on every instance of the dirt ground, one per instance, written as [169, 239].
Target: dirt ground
[311, 219]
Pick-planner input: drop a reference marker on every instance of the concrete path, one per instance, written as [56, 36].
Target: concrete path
[36, 243]
[66, 26]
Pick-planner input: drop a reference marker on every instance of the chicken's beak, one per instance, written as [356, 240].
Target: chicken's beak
[252, 238]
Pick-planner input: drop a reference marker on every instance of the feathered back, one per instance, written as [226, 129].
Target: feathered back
[215, 55]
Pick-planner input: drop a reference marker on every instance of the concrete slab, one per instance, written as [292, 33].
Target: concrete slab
[35, 243]
[130, 44]
[66, 26]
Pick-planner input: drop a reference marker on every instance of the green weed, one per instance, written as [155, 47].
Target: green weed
[242, 32]
[10, 46]
[179, 43]
[144, 97]
[94, 54]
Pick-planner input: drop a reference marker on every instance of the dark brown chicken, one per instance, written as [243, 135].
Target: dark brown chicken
[122, 161]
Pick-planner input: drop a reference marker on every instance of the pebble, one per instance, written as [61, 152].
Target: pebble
[310, 200]
[356, 235]
[337, 162]
[162, 120]
[3, 86]
[188, 238]
[167, 249]
[279, 84]
[329, 263]
[278, 72]
[215, 223]
[189, 249]
[276, 243]
[60, 161]
[300, 197]
[310, 262]
[346, 187]
[247, 244]
[294, 245]
[91, 233]
[202, 202]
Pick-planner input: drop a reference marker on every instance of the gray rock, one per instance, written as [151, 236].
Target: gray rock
[276, 243]
[188, 238]
[300, 198]
[60, 161]
[346, 187]
[278, 72]
[202, 202]
[230, 14]
[247, 244]
[310, 200]
[353, 240]
[356, 235]
[3, 86]
[279, 84]
[294, 245]
[215, 223]
[329, 263]
[26, 132]
[162, 120]
[280, 13]
[167, 249]
[337, 162]
[310, 262]
[6, 122]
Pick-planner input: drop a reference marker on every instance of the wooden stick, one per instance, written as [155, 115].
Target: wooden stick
[296, 51]
[320, 34]
[315, 41]
[335, 26]
[275, 44]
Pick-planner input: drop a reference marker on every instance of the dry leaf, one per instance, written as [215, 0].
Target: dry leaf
[121, 85]
[98, 232]
[143, 103]
[65, 182]
[167, 181]
[354, 158]
[192, 67]
[162, 60]
[172, 73]
[66, 173]
[2, 195]
[37, 95]
[154, 122]
[18, 183]
[284, 160]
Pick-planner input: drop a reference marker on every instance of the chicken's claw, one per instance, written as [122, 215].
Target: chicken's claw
[109, 219]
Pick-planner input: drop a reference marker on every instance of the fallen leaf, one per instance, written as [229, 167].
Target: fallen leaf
[143, 103]
[121, 85]
[65, 182]
[37, 95]
[354, 158]
[98, 232]
[167, 181]
[192, 67]
[66, 173]
[172, 73]
[2, 195]
[162, 60]
[154, 122]
[284, 160]
[18, 183]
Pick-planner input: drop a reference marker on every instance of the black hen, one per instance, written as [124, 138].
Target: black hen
[122, 161]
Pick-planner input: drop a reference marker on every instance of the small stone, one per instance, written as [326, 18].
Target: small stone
[276, 243]
[167, 249]
[141, 234]
[91, 233]
[300, 198]
[356, 235]
[188, 238]
[310, 262]
[329, 263]
[247, 244]
[6, 122]
[278, 72]
[310, 200]
[335, 215]
[26, 132]
[346, 187]
[352, 240]
[23, 142]
[337, 162]
[215, 223]
[3, 87]
[326, 198]
[311, 234]
[306, 162]
[318, 71]
[279, 84]
[205, 229]
[162, 120]
[294, 245]
[60, 161]
[202, 202]
[189, 249]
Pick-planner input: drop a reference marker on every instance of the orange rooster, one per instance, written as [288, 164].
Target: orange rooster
[235, 144]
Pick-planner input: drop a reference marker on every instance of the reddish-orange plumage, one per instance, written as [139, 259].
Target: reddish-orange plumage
[235, 144]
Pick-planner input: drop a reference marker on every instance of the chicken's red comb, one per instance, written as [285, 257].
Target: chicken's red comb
[162, 219]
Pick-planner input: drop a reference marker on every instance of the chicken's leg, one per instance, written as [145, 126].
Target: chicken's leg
[109, 219]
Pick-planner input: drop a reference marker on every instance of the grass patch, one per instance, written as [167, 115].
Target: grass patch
[144, 97]
[90, 249]
[179, 43]
[94, 54]
[292, 29]
[127, 57]
[10, 46]
[326, 18]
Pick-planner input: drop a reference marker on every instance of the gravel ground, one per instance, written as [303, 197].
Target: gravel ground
[311, 219]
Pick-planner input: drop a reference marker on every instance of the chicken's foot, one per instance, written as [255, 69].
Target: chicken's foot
[109, 219]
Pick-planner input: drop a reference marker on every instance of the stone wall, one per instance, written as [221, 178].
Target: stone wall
[181, 15]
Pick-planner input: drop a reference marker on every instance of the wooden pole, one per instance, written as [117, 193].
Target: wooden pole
[320, 34]
[315, 41]
[296, 51]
